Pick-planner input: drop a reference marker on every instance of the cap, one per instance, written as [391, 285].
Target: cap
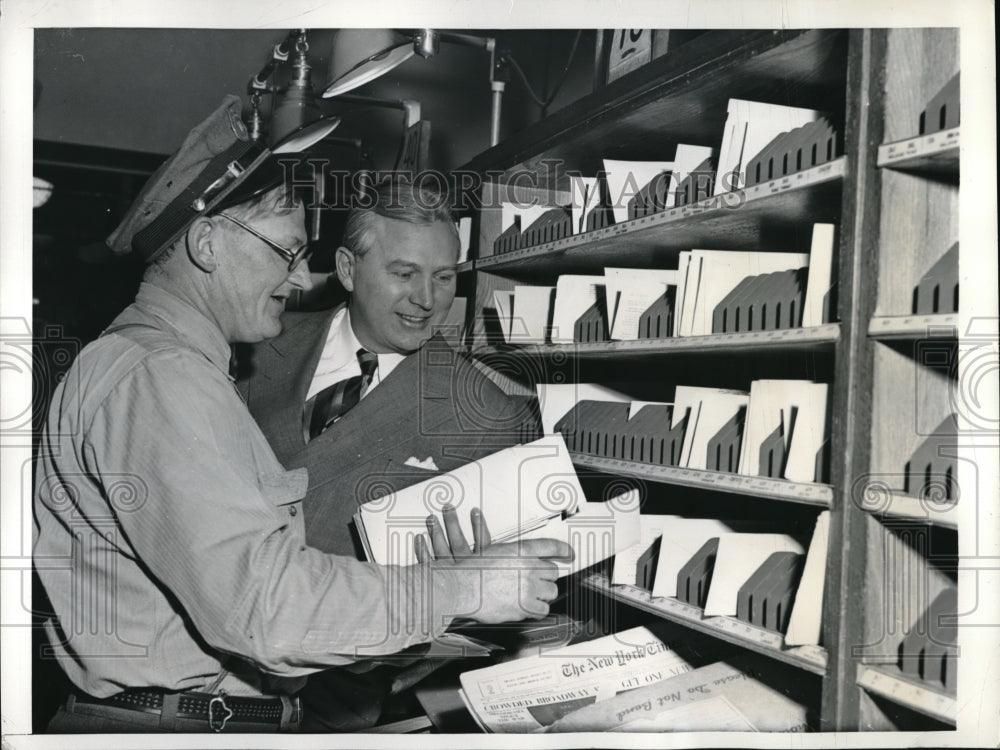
[216, 162]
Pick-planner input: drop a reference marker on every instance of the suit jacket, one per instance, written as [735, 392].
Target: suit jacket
[434, 405]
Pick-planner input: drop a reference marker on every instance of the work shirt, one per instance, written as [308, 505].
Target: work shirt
[339, 359]
[168, 535]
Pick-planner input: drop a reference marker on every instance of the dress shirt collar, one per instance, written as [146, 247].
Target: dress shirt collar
[192, 326]
[342, 346]
[341, 343]
[339, 357]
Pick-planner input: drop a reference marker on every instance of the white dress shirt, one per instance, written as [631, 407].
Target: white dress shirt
[339, 359]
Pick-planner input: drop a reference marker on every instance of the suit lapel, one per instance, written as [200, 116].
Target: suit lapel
[408, 405]
[282, 370]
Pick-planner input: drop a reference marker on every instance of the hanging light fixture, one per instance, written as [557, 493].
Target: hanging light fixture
[362, 55]
[297, 105]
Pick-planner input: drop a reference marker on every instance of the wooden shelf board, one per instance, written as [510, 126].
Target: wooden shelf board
[815, 337]
[465, 266]
[889, 682]
[748, 219]
[913, 327]
[768, 642]
[820, 495]
[676, 98]
[907, 507]
[936, 153]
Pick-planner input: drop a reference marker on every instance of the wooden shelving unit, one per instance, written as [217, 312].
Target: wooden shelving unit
[911, 220]
[896, 211]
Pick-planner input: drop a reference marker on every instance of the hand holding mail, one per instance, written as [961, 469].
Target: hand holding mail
[451, 542]
[502, 582]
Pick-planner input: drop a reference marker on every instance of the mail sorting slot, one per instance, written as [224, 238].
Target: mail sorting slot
[645, 569]
[551, 226]
[942, 112]
[929, 475]
[599, 218]
[698, 185]
[602, 428]
[651, 198]
[767, 302]
[657, 320]
[510, 239]
[695, 576]
[767, 596]
[772, 454]
[592, 326]
[929, 651]
[724, 446]
[808, 146]
[937, 291]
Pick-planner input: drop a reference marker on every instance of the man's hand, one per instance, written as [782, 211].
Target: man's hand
[496, 582]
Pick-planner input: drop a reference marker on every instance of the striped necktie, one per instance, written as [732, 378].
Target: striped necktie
[334, 401]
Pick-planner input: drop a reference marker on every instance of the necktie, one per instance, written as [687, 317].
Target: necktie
[334, 401]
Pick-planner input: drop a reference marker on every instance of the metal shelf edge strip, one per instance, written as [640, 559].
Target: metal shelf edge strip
[707, 208]
[810, 658]
[828, 333]
[922, 699]
[913, 326]
[899, 153]
[770, 489]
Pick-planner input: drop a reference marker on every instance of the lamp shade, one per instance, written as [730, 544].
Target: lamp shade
[307, 136]
[362, 55]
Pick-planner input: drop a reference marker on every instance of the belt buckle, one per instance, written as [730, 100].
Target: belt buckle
[216, 707]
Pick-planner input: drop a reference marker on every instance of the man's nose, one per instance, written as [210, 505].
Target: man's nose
[301, 277]
[422, 293]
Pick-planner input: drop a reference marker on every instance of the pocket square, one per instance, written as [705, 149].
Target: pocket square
[427, 463]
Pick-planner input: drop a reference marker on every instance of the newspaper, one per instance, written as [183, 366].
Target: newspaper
[745, 693]
[527, 695]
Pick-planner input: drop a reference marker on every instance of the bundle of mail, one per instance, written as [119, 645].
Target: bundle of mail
[526, 491]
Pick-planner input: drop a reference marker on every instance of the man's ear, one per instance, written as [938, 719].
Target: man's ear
[199, 244]
[346, 264]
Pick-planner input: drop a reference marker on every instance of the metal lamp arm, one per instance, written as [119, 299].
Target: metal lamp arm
[279, 55]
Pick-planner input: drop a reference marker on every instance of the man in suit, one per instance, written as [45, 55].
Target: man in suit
[368, 399]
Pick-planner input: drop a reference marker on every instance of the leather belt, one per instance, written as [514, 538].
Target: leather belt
[216, 710]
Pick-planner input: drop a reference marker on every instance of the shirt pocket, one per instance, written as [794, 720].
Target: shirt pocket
[285, 490]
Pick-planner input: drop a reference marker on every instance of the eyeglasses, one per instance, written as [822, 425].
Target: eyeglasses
[294, 257]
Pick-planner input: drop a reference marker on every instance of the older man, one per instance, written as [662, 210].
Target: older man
[169, 538]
